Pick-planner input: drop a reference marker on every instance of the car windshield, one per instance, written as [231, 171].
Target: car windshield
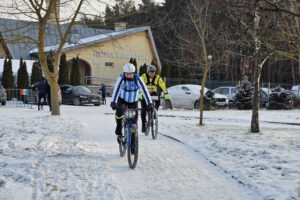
[185, 89]
[82, 90]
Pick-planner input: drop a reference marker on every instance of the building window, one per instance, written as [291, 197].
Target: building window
[109, 64]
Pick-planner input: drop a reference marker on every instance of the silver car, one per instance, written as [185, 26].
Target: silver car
[187, 96]
[228, 91]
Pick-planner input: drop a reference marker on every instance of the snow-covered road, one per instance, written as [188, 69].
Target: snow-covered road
[75, 156]
[165, 170]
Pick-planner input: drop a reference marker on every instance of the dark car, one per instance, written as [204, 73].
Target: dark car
[3, 97]
[33, 94]
[79, 95]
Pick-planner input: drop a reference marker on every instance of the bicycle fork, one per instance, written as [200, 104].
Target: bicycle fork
[128, 135]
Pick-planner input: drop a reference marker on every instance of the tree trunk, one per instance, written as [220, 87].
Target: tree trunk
[201, 107]
[257, 71]
[298, 70]
[293, 73]
[255, 99]
[269, 71]
[55, 107]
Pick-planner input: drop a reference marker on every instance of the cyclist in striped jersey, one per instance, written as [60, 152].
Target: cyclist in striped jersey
[126, 92]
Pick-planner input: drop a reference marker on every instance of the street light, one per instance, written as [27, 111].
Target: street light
[209, 57]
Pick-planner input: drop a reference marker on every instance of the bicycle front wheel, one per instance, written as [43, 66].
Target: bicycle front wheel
[148, 119]
[133, 149]
[154, 125]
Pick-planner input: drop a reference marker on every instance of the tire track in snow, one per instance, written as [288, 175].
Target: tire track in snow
[168, 170]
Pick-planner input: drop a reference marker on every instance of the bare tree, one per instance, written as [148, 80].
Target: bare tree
[43, 13]
[200, 17]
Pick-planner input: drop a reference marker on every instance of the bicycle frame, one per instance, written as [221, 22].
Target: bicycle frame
[150, 121]
[130, 141]
[129, 120]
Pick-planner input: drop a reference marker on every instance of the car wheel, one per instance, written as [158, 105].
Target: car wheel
[96, 104]
[3, 103]
[197, 104]
[76, 101]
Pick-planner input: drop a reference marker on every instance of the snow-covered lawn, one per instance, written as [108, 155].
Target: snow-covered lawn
[268, 163]
[75, 156]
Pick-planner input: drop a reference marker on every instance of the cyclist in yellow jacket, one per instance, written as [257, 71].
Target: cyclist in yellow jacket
[152, 81]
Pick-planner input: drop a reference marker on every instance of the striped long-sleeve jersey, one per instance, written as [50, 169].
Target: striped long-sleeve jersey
[128, 90]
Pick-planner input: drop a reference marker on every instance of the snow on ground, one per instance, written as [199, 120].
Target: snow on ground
[267, 163]
[75, 156]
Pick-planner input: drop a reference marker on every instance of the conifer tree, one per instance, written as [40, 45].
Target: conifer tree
[36, 73]
[4, 73]
[11, 80]
[131, 60]
[22, 79]
[135, 64]
[63, 70]
[75, 78]
[143, 69]
[109, 17]
[243, 98]
[7, 77]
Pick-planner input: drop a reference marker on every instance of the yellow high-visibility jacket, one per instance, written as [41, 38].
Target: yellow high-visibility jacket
[152, 83]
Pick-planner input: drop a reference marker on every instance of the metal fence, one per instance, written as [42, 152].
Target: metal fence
[20, 98]
[92, 80]
[212, 84]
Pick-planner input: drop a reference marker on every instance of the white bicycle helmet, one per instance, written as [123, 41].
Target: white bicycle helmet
[151, 68]
[129, 68]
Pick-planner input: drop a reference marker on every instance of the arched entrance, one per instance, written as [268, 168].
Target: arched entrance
[84, 71]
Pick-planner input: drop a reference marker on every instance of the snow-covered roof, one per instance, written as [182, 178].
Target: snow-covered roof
[16, 65]
[101, 38]
[11, 29]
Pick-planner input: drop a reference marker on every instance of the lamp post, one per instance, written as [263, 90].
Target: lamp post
[209, 57]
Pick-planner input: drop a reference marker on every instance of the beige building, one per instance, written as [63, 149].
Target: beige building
[102, 56]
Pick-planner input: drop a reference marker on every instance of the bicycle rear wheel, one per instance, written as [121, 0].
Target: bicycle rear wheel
[154, 125]
[132, 152]
[122, 145]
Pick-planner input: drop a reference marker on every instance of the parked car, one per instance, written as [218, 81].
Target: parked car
[230, 92]
[296, 90]
[33, 96]
[79, 95]
[187, 96]
[3, 97]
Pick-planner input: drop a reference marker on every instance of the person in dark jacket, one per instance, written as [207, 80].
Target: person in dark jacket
[48, 94]
[41, 93]
[103, 92]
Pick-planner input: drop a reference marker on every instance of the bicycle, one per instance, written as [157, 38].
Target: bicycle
[152, 120]
[130, 140]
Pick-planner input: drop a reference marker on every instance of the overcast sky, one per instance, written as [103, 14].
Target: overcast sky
[92, 7]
